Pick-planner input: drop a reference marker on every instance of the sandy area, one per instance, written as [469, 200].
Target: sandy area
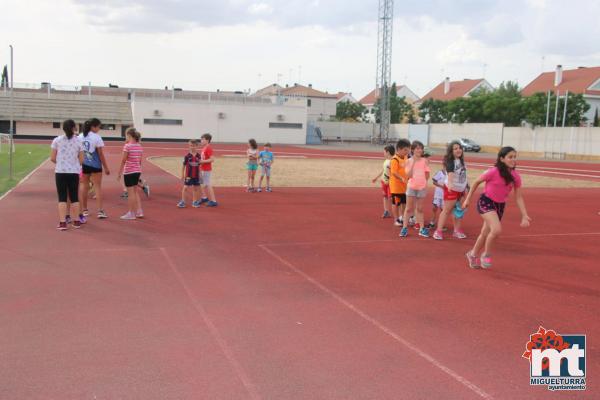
[321, 172]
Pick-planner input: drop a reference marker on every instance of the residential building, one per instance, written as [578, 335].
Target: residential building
[449, 90]
[370, 99]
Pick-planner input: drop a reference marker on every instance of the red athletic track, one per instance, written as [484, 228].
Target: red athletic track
[296, 294]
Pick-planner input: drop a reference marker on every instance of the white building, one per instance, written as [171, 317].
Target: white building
[320, 106]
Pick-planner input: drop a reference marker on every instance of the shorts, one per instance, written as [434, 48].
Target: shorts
[206, 178]
[451, 194]
[385, 189]
[486, 205]
[398, 198]
[419, 194]
[67, 187]
[265, 170]
[192, 181]
[251, 166]
[132, 180]
[438, 202]
[86, 169]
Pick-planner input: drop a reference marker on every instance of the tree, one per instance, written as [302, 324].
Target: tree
[433, 111]
[596, 120]
[400, 109]
[4, 82]
[535, 108]
[349, 111]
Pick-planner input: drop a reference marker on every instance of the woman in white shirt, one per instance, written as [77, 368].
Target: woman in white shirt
[67, 154]
[94, 163]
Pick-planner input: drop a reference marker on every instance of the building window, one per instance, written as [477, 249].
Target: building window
[156, 121]
[56, 125]
[108, 127]
[285, 125]
[308, 102]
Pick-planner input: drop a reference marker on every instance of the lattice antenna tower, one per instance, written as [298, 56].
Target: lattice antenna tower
[384, 66]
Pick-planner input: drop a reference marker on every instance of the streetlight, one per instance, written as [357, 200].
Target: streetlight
[11, 129]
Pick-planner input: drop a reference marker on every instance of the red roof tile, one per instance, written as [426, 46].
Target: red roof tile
[457, 89]
[300, 90]
[574, 80]
[370, 98]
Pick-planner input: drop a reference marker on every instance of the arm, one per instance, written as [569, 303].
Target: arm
[103, 160]
[122, 167]
[525, 219]
[53, 154]
[409, 168]
[377, 177]
[476, 184]
[80, 157]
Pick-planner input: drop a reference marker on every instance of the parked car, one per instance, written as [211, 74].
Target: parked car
[469, 145]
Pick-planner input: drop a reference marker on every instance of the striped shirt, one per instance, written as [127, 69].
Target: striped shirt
[133, 164]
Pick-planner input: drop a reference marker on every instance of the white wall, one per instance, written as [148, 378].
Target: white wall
[240, 123]
[594, 103]
[46, 129]
[484, 134]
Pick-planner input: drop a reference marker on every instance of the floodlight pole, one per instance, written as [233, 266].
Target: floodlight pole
[12, 123]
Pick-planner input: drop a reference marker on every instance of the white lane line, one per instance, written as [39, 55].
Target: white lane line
[227, 351]
[24, 179]
[465, 382]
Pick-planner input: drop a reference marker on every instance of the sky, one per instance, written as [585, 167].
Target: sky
[332, 44]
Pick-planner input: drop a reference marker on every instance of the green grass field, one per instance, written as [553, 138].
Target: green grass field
[26, 158]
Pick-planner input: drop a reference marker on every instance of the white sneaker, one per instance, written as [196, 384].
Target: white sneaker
[128, 216]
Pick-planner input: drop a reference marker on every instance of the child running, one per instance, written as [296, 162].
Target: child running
[190, 175]
[438, 197]
[398, 180]
[67, 154]
[499, 181]
[131, 170]
[206, 168]
[417, 171]
[388, 153]
[252, 164]
[94, 163]
[454, 188]
[266, 160]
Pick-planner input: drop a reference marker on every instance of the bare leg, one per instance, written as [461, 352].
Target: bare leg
[408, 209]
[84, 186]
[62, 211]
[448, 206]
[97, 182]
[131, 199]
[183, 192]
[419, 211]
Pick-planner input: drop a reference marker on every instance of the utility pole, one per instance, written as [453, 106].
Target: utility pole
[384, 66]
[12, 122]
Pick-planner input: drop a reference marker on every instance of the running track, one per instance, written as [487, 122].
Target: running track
[298, 294]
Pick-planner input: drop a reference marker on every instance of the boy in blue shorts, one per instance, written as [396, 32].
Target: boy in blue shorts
[265, 159]
[190, 175]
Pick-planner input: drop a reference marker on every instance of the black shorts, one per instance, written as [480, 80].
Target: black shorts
[192, 181]
[86, 169]
[132, 179]
[486, 205]
[67, 187]
[398, 198]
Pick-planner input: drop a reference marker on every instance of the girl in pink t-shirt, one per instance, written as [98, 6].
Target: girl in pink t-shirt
[417, 170]
[499, 181]
[131, 170]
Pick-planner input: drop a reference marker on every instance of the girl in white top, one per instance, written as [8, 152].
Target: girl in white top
[94, 163]
[252, 164]
[67, 154]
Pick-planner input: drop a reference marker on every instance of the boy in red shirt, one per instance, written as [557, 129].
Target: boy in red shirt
[190, 175]
[206, 169]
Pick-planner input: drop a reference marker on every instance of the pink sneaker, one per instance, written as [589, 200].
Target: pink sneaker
[486, 261]
[473, 260]
[437, 235]
[459, 234]
[139, 214]
[128, 216]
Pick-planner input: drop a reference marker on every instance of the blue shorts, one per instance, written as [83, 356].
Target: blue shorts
[251, 166]
[192, 181]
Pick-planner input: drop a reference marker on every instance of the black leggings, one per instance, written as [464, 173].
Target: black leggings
[67, 187]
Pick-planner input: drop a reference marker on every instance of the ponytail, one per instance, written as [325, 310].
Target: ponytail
[68, 127]
[89, 124]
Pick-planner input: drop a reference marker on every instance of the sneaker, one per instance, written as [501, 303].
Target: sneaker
[431, 225]
[128, 216]
[76, 224]
[424, 232]
[68, 219]
[196, 204]
[102, 214]
[139, 214]
[124, 195]
[386, 214]
[181, 204]
[204, 200]
[437, 235]
[411, 221]
[269, 189]
[486, 261]
[258, 190]
[404, 232]
[62, 226]
[85, 213]
[212, 204]
[146, 190]
[398, 222]
[82, 219]
[417, 226]
[459, 235]
[473, 260]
